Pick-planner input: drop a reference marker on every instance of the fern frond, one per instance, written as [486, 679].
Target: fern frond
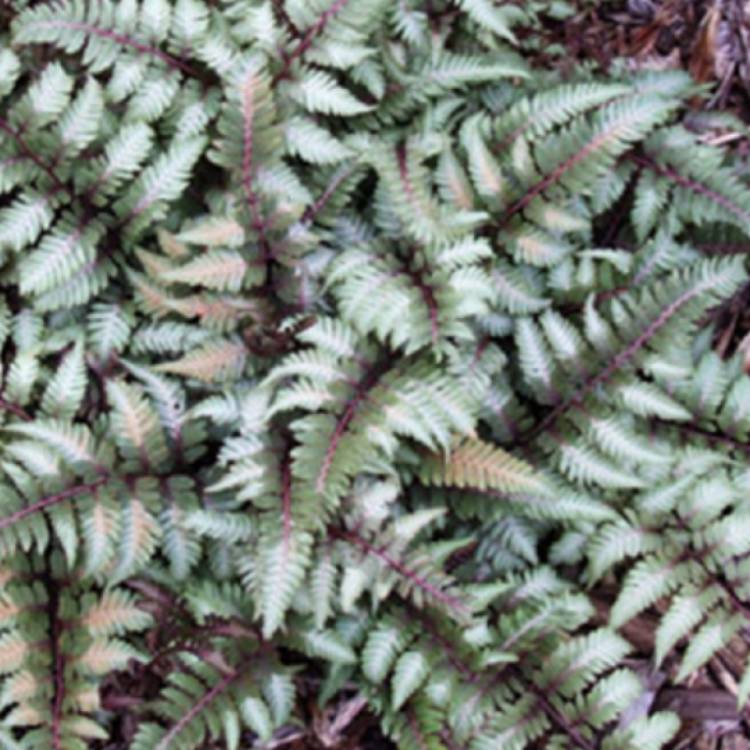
[476, 464]
[209, 363]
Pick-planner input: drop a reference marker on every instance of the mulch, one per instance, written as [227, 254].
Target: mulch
[709, 38]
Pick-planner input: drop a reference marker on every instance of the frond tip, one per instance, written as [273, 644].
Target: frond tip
[475, 464]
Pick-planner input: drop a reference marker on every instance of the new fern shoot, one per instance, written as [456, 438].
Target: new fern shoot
[346, 349]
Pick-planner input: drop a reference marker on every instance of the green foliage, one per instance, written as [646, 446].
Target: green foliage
[343, 347]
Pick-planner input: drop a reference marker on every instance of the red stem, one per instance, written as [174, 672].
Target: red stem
[557, 719]
[124, 40]
[428, 297]
[419, 581]
[204, 700]
[694, 185]
[46, 502]
[31, 154]
[304, 44]
[315, 208]
[553, 177]
[342, 425]
[19, 411]
[718, 437]
[614, 366]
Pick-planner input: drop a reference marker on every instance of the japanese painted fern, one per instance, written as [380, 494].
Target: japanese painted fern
[341, 347]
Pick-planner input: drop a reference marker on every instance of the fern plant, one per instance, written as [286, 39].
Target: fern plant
[345, 350]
